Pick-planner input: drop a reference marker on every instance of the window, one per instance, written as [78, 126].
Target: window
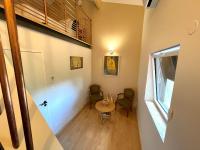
[164, 70]
[159, 87]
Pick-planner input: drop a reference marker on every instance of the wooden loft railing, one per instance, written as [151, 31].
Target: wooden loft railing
[8, 100]
[63, 16]
[19, 77]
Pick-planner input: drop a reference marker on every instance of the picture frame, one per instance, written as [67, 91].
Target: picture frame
[76, 62]
[111, 65]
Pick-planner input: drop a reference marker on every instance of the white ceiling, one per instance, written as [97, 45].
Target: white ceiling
[130, 2]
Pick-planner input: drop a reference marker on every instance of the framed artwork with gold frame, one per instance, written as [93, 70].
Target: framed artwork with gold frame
[76, 62]
[111, 65]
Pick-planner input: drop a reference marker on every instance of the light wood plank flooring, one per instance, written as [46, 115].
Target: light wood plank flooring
[86, 132]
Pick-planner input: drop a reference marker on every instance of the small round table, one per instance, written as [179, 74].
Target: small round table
[105, 109]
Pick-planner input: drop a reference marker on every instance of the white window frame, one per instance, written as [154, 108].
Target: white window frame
[172, 51]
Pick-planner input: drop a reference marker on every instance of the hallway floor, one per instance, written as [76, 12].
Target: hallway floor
[86, 132]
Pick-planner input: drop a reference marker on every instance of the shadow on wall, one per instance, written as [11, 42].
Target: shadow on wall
[65, 95]
[65, 99]
[44, 56]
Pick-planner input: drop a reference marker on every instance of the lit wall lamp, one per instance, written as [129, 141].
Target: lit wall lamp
[111, 51]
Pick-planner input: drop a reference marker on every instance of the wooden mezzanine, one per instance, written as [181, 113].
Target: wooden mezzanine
[62, 16]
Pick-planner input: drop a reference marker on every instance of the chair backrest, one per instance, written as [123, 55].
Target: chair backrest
[129, 93]
[95, 89]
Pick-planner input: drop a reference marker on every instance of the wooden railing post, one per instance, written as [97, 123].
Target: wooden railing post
[1, 110]
[90, 32]
[1, 146]
[45, 11]
[7, 100]
[65, 17]
[17, 63]
[76, 14]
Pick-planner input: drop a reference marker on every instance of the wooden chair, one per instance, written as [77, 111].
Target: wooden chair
[125, 99]
[95, 94]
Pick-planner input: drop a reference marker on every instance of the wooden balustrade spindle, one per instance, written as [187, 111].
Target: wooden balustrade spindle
[65, 17]
[1, 110]
[8, 100]
[90, 31]
[17, 63]
[45, 11]
[77, 22]
[1, 146]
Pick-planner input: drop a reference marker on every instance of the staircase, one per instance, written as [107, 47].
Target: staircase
[43, 137]
[21, 124]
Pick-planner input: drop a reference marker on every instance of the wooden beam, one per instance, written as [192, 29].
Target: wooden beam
[17, 63]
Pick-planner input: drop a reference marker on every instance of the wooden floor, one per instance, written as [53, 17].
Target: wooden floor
[86, 132]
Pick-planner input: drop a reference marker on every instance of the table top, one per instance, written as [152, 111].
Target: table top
[105, 108]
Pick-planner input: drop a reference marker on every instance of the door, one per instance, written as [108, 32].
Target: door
[35, 79]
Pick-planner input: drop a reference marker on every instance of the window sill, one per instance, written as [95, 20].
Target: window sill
[161, 110]
[158, 119]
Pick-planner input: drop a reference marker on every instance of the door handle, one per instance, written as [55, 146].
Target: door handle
[44, 103]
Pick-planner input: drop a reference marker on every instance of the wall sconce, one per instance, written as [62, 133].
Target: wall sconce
[111, 51]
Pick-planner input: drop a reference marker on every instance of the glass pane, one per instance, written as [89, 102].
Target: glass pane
[165, 69]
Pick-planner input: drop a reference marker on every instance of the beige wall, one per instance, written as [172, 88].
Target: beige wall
[166, 26]
[43, 137]
[67, 92]
[117, 26]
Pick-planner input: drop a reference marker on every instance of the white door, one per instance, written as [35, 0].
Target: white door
[35, 79]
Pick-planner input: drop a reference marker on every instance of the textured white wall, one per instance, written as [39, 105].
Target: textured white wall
[165, 26]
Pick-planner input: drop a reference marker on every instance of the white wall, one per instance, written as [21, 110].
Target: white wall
[67, 93]
[118, 27]
[165, 26]
[43, 138]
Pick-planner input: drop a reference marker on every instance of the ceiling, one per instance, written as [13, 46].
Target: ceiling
[130, 2]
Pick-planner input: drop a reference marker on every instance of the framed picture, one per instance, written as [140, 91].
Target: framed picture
[111, 65]
[76, 62]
